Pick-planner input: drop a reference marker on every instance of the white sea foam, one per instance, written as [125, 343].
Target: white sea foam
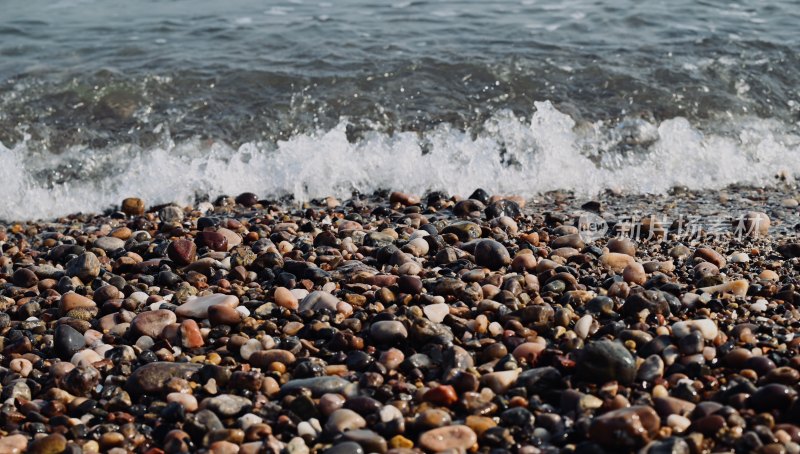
[546, 152]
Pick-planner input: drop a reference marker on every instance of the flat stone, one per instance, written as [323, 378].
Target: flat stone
[625, 428]
[152, 378]
[317, 385]
[455, 437]
[502, 381]
[227, 405]
[233, 238]
[221, 314]
[109, 243]
[263, 358]
[616, 261]
[198, 307]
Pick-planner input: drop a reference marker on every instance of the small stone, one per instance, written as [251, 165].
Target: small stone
[404, 199]
[188, 401]
[753, 224]
[67, 341]
[171, 214]
[706, 326]
[198, 307]
[454, 437]
[583, 325]
[133, 206]
[182, 251]
[263, 358]
[615, 261]
[491, 254]
[213, 240]
[51, 444]
[284, 298]
[622, 246]
[443, 395]
[233, 238]
[109, 243]
[625, 428]
[250, 347]
[343, 420]
[13, 444]
[153, 377]
[71, 301]
[712, 256]
[736, 288]
[85, 267]
[388, 331]
[317, 385]
[606, 360]
[634, 273]
[24, 277]
[221, 314]
[227, 405]
[152, 323]
[502, 381]
[190, 334]
[436, 312]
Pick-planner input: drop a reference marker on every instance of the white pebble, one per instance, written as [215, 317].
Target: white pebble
[249, 347]
[583, 325]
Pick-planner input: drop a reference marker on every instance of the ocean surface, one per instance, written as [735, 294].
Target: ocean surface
[185, 99]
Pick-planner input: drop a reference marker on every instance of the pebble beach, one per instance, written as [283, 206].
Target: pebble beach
[401, 323]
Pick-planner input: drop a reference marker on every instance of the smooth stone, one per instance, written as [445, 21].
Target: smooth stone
[198, 307]
[404, 199]
[772, 397]
[67, 341]
[347, 447]
[285, 299]
[263, 358]
[707, 327]
[623, 246]
[182, 251]
[85, 358]
[502, 381]
[171, 214]
[712, 256]
[152, 323]
[247, 350]
[388, 331]
[85, 267]
[13, 444]
[227, 405]
[625, 427]
[317, 385]
[436, 312]
[152, 378]
[109, 243]
[651, 369]
[583, 325]
[213, 240]
[221, 314]
[736, 288]
[453, 437]
[606, 360]
[188, 401]
[343, 420]
[50, 444]
[634, 273]
[233, 238]
[318, 300]
[367, 439]
[616, 261]
[72, 300]
[191, 337]
[133, 206]
[491, 254]
[753, 224]
[464, 230]
[24, 277]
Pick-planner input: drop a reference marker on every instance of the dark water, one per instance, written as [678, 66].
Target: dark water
[88, 85]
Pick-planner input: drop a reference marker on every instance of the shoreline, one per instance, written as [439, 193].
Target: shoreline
[395, 323]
